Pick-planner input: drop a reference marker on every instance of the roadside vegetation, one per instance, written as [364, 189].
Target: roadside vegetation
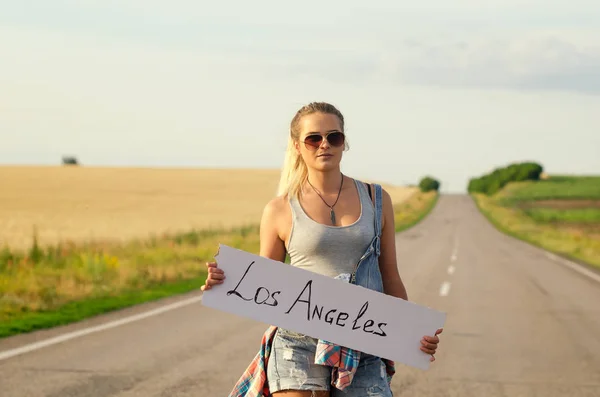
[55, 284]
[558, 213]
[415, 209]
[45, 287]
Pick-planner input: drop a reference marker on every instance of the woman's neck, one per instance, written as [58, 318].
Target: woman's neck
[326, 182]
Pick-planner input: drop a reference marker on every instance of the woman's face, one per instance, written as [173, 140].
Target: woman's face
[319, 153]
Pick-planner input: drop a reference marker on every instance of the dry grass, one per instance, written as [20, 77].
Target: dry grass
[85, 203]
[414, 209]
[580, 243]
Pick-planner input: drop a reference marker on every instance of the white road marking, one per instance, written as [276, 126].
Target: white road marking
[575, 266]
[86, 331]
[454, 255]
[445, 288]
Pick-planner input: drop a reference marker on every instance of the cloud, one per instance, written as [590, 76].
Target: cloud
[539, 63]
[522, 62]
[516, 44]
[546, 62]
[317, 12]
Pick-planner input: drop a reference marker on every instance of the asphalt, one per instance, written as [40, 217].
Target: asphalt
[520, 323]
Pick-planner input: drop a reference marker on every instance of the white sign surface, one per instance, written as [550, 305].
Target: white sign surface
[322, 307]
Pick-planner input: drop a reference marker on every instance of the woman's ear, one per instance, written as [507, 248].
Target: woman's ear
[297, 147]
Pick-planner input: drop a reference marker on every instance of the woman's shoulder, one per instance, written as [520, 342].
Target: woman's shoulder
[372, 186]
[277, 201]
[276, 206]
[365, 182]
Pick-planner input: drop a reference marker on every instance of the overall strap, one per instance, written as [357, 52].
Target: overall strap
[375, 245]
[378, 216]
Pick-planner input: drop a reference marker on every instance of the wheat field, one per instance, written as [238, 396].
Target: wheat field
[116, 204]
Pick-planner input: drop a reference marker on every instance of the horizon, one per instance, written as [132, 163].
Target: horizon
[452, 94]
[233, 168]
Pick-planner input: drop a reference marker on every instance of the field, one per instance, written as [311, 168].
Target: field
[561, 214]
[570, 189]
[81, 204]
[112, 237]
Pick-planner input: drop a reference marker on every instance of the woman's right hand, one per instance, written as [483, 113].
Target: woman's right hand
[215, 276]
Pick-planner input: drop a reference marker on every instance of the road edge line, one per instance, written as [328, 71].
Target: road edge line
[4, 355]
[572, 265]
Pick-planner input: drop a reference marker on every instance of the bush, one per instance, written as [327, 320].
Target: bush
[428, 183]
[69, 160]
[497, 179]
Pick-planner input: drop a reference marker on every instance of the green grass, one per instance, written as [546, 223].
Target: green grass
[554, 188]
[573, 215]
[45, 287]
[82, 309]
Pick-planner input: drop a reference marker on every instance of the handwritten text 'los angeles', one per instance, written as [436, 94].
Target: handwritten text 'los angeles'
[263, 296]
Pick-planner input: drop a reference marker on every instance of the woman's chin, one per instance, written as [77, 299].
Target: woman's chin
[324, 166]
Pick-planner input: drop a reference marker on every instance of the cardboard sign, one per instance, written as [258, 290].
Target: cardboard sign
[322, 307]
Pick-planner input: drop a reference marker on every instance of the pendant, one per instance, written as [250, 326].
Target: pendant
[332, 216]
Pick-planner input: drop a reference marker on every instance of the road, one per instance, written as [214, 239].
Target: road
[519, 324]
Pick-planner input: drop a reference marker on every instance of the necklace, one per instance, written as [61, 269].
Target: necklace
[332, 212]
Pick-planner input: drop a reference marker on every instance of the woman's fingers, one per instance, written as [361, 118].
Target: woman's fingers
[215, 270]
[210, 282]
[431, 339]
[214, 273]
[429, 344]
[215, 276]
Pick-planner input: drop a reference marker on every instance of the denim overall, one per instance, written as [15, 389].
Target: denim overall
[367, 273]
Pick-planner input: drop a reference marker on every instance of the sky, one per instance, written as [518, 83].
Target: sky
[447, 89]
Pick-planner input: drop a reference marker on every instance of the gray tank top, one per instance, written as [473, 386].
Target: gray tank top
[330, 250]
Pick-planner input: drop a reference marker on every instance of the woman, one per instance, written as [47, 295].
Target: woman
[325, 221]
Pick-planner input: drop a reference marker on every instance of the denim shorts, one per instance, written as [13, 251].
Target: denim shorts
[291, 366]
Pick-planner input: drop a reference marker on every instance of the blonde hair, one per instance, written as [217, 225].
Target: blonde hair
[294, 172]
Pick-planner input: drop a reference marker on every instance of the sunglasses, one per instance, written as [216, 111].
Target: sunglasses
[335, 139]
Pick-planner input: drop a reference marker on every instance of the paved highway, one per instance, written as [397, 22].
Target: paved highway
[520, 323]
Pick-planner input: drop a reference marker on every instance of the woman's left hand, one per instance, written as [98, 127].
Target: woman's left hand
[429, 344]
